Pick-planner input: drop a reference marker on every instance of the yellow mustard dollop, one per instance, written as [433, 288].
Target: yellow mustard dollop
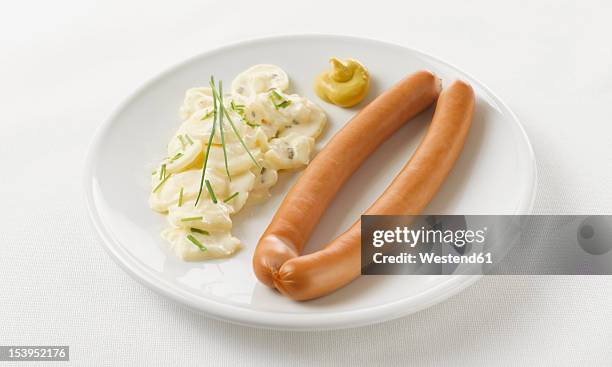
[345, 84]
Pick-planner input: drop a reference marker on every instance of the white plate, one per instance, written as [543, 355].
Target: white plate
[495, 174]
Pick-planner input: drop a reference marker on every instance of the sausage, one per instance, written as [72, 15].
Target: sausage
[310, 196]
[338, 263]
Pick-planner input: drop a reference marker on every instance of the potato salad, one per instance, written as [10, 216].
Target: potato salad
[228, 150]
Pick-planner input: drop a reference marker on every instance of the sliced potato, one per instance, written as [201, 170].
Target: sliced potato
[289, 152]
[214, 245]
[196, 99]
[239, 189]
[309, 120]
[168, 193]
[259, 79]
[206, 215]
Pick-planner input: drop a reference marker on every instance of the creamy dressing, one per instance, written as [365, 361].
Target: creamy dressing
[279, 130]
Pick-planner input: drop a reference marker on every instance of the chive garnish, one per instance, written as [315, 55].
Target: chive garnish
[210, 113]
[176, 156]
[161, 182]
[224, 111]
[154, 173]
[284, 104]
[239, 109]
[211, 192]
[180, 200]
[275, 97]
[210, 139]
[189, 139]
[180, 138]
[231, 197]
[191, 219]
[162, 172]
[200, 231]
[220, 108]
[219, 99]
[196, 242]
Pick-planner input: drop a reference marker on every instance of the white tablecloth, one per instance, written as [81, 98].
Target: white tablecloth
[65, 65]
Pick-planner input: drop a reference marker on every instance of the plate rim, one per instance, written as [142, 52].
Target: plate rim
[284, 320]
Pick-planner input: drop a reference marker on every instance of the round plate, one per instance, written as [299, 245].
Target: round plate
[496, 174]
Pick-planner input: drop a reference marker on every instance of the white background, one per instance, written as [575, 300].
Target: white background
[65, 65]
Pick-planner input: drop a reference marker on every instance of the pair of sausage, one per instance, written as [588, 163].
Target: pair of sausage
[277, 261]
